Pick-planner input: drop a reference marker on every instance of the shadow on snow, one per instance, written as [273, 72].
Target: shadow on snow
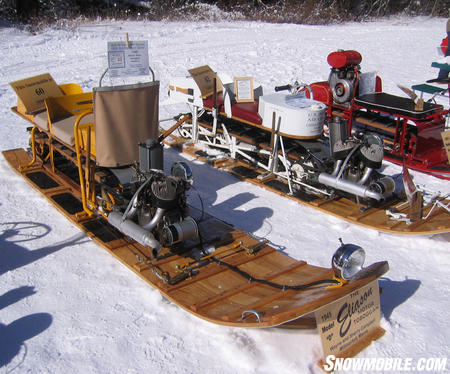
[14, 256]
[14, 335]
[207, 182]
[396, 293]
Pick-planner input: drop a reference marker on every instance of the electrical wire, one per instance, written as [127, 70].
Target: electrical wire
[250, 278]
[201, 204]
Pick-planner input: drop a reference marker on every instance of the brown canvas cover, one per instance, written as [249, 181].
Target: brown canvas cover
[124, 117]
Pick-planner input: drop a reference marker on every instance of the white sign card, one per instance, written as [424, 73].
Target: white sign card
[243, 89]
[127, 60]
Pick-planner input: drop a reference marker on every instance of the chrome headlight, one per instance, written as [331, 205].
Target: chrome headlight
[348, 260]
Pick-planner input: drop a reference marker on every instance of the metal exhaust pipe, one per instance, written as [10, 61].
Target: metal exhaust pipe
[155, 220]
[337, 167]
[133, 230]
[350, 187]
[365, 176]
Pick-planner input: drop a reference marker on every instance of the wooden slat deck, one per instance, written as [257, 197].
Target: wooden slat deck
[215, 293]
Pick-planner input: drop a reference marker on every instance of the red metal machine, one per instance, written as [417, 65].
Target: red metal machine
[411, 129]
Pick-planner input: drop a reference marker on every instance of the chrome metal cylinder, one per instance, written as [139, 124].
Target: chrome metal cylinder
[350, 187]
[133, 230]
[180, 231]
[385, 185]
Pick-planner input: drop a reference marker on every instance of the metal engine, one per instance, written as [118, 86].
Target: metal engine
[156, 216]
[344, 75]
[345, 163]
[355, 157]
[355, 162]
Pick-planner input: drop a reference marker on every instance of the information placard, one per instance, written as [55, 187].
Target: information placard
[128, 59]
[347, 321]
[243, 89]
[446, 139]
[32, 92]
[204, 77]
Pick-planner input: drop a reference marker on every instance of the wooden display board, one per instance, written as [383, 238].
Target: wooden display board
[212, 290]
[350, 324]
[204, 77]
[32, 92]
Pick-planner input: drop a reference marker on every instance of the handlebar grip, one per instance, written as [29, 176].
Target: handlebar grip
[283, 88]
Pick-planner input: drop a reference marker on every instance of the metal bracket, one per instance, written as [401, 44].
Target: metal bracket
[252, 249]
[251, 311]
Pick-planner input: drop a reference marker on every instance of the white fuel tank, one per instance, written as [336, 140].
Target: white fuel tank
[295, 115]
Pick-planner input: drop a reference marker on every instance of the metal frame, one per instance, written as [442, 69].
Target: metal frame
[229, 143]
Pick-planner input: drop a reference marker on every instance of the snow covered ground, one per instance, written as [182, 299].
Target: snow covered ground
[67, 306]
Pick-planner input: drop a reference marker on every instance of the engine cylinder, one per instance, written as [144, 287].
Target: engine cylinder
[372, 151]
[165, 193]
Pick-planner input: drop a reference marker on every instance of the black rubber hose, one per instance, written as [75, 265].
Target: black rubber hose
[286, 87]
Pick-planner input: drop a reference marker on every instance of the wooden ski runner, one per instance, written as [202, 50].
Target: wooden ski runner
[209, 289]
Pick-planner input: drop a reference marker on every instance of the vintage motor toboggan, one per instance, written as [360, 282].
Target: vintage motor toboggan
[97, 157]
